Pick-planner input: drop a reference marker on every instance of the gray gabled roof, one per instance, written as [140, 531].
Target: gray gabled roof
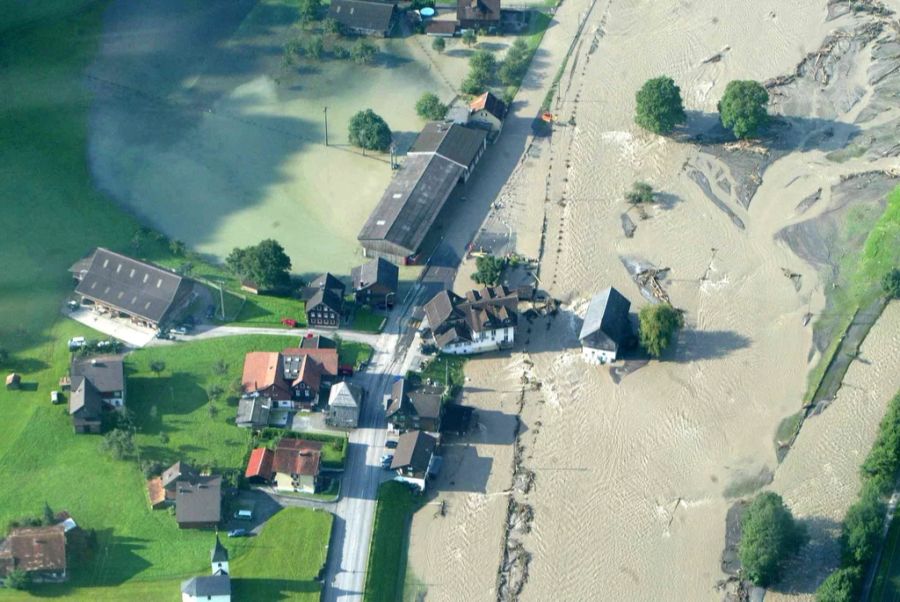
[452, 141]
[135, 287]
[414, 451]
[106, 373]
[345, 394]
[85, 401]
[362, 14]
[326, 297]
[606, 324]
[198, 501]
[207, 585]
[378, 272]
[178, 470]
[253, 411]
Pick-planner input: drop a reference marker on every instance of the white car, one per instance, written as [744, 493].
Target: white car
[76, 342]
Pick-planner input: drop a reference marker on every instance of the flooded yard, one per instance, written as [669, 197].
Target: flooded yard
[199, 127]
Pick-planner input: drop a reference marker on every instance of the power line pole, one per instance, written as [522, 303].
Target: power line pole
[325, 113]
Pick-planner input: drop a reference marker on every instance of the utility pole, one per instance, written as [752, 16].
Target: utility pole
[393, 148]
[325, 113]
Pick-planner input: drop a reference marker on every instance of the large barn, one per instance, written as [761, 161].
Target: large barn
[149, 295]
[443, 155]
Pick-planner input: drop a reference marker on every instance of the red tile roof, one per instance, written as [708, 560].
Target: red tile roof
[326, 358]
[262, 369]
[298, 457]
[156, 491]
[260, 464]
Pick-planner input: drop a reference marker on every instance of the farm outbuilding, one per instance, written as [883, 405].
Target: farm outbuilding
[13, 381]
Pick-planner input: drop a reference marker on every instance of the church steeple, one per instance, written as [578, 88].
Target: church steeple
[219, 558]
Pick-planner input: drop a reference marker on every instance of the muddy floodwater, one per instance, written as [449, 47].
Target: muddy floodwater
[199, 128]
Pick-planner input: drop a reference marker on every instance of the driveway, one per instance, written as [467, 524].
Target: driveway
[119, 328]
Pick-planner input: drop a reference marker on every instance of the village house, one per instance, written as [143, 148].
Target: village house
[375, 283]
[286, 381]
[38, 551]
[310, 370]
[414, 459]
[442, 156]
[259, 467]
[344, 404]
[198, 502]
[150, 296]
[482, 321]
[296, 465]
[478, 14]
[324, 299]
[488, 111]
[215, 587]
[606, 329]
[96, 383]
[364, 17]
[161, 490]
[412, 409]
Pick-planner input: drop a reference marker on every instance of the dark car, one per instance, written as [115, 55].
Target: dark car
[390, 444]
[238, 533]
[210, 312]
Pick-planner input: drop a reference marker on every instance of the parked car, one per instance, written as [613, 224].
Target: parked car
[76, 343]
[391, 444]
[386, 460]
[163, 335]
[238, 533]
[179, 330]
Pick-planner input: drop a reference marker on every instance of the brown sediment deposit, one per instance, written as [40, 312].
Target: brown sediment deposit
[635, 472]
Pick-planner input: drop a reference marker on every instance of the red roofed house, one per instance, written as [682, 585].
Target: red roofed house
[263, 376]
[296, 465]
[259, 468]
[488, 111]
[39, 551]
[292, 379]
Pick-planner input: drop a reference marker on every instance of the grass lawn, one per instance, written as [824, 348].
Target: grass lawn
[285, 558]
[265, 310]
[443, 369]
[366, 320]
[354, 353]
[390, 540]
[886, 587]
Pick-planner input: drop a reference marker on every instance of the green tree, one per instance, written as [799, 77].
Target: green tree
[658, 325]
[515, 64]
[489, 269]
[890, 283]
[314, 47]
[862, 528]
[469, 38]
[17, 579]
[369, 131]
[119, 443]
[363, 52]
[48, 516]
[157, 367]
[640, 193]
[332, 26]
[659, 105]
[266, 264]
[840, 586]
[769, 535]
[429, 106]
[743, 107]
[177, 248]
[309, 10]
[438, 45]
[482, 67]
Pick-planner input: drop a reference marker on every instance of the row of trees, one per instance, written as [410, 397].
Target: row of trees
[316, 47]
[742, 108]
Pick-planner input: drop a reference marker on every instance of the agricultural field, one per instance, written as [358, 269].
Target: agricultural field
[390, 541]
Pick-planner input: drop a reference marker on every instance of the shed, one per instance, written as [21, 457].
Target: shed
[13, 381]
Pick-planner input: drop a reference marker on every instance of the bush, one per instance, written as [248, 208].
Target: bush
[438, 45]
[640, 193]
[862, 529]
[658, 325]
[363, 52]
[340, 51]
[769, 535]
[840, 586]
[17, 579]
[659, 105]
[515, 64]
[879, 469]
[489, 269]
[369, 131]
[890, 284]
[309, 10]
[314, 47]
[469, 38]
[332, 26]
[743, 107]
[429, 106]
[150, 468]
[482, 67]
[119, 443]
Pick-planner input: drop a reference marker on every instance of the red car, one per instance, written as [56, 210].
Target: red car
[289, 322]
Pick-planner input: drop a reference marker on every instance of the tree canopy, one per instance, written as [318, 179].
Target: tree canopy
[659, 105]
[266, 264]
[862, 528]
[489, 269]
[369, 131]
[743, 107]
[429, 106]
[890, 283]
[119, 443]
[438, 45]
[309, 10]
[469, 38]
[769, 536]
[482, 68]
[658, 325]
[840, 586]
[363, 52]
[640, 192]
[515, 64]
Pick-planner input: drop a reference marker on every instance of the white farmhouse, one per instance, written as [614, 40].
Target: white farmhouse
[484, 320]
[210, 588]
[606, 328]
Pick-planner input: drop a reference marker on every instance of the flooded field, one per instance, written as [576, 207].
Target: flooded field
[198, 126]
